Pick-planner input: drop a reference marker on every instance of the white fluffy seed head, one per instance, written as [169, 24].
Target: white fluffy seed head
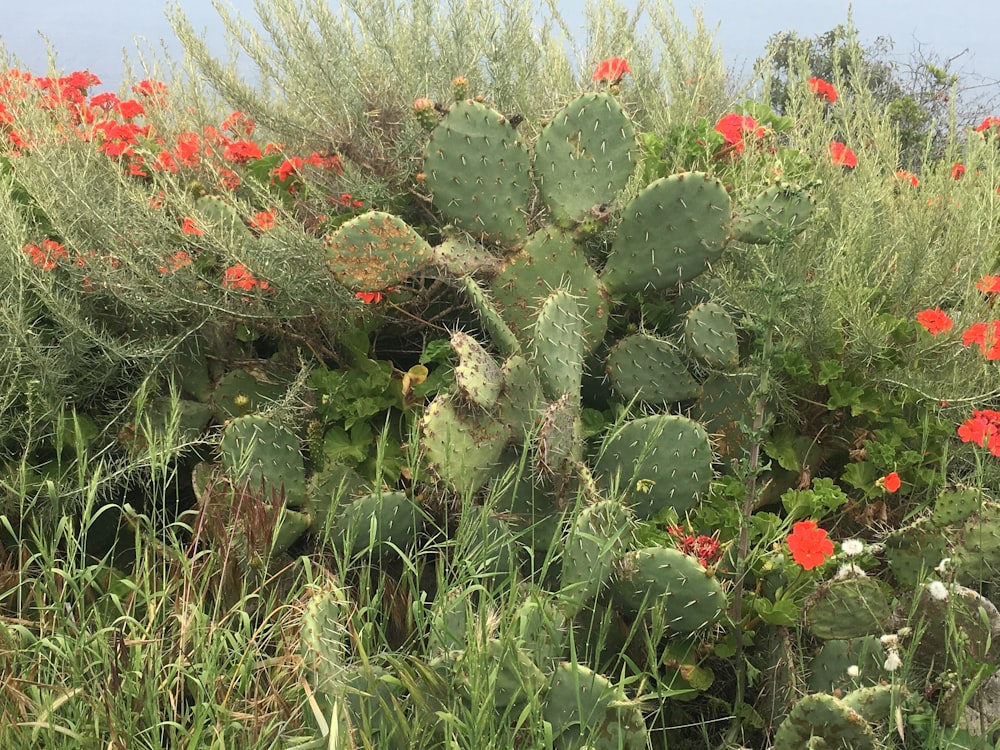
[892, 661]
[938, 590]
[852, 547]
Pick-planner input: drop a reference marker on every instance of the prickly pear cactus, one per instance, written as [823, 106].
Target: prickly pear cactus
[847, 608]
[826, 717]
[649, 369]
[667, 580]
[478, 171]
[376, 522]
[670, 232]
[709, 335]
[599, 536]
[559, 346]
[587, 710]
[461, 445]
[584, 157]
[375, 251]
[657, 462]
[477, 374]
[779, 212]
[264, 456]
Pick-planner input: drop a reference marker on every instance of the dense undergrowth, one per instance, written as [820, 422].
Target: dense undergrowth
[443, 388]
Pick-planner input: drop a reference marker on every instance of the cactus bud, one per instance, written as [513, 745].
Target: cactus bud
[425, 112]
[460, 88]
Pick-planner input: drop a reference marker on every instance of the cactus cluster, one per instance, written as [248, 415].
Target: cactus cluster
[526, 243]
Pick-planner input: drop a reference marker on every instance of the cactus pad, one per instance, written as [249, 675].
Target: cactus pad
[669, 234]
[657, 462]
[478, 172]
[709, 334]
[584, 156]
[374, 251]
[781, 211]
[461, 445]
[648, 368]
[265, 457]
[661, 578]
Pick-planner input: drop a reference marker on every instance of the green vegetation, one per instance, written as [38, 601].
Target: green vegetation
[427, 392]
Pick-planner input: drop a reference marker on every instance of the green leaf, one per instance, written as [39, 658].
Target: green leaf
[829, 370]
[352, 448]
[783, 612]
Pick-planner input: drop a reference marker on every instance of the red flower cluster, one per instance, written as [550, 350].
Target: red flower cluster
[842, 155]
[809, 544]
[175, 262]
[990, 123]
[823, 89]
[989, 284]
[987, 335]
[936, 321]
[264, 220]
[983, 429]
[611, 70]
[734, 129]
[47, 256]
[904, 176]
[706, 549]
[958, 171]
[239, 277]
[190, 227]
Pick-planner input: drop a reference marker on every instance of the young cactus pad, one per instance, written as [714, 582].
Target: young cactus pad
[477, 374]
[584, 156]
[709, 334]
[587, 710]
[559, 345]
[374, 251]
[478, 172]
[669, 234]
[824, 716]
[461, 445]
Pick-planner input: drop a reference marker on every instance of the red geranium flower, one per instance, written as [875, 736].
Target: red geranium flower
[189, 227]
[936, 321]
[809, 544]
[263, 220]
[987, 335]
[890, 482]
[240, 277]
[989, 284]
[989, 123]
[611, 70]
[241, 151]
[983, 429]
[370, 297]
[842, 155]
[958, 171]
[735, 127]
[823, 89]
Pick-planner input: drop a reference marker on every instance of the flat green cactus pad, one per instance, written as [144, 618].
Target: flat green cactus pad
[669, 234]
[478, 172]
[374, 251]
[585, 156]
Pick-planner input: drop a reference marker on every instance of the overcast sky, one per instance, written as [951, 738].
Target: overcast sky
[92, 33]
